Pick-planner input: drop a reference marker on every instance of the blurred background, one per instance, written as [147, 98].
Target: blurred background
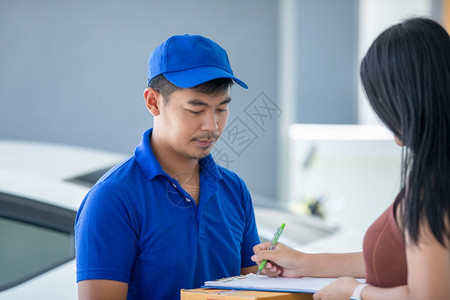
[302, 137]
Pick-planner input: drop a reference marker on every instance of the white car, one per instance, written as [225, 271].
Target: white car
[41, 188]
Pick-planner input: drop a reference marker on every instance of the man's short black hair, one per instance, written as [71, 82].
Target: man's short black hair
[212, 87]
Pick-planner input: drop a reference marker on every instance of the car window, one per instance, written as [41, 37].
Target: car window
[35, 238]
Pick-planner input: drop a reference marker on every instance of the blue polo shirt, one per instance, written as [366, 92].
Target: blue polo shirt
[137, 225]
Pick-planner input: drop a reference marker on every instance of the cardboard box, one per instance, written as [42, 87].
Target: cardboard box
[216, 294]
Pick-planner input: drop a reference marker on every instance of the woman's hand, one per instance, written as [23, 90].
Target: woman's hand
[341, 288]
[281, 261]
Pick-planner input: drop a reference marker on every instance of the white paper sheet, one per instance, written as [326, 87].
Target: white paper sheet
[265, 283]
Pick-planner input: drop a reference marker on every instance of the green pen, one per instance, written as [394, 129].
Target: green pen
[274, 242]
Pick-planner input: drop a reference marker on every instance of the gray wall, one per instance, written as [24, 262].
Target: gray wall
[327, 62]
[73, 72]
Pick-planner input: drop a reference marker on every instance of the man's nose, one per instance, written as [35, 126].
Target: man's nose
[210, 122]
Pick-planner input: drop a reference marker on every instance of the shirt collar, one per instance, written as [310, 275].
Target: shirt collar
[151, 168]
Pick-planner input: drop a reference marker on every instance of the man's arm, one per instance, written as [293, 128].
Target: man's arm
[102, 289]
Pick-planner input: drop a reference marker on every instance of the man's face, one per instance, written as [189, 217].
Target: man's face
[192, 122]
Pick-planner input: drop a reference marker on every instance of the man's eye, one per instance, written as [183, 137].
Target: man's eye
[194, 112]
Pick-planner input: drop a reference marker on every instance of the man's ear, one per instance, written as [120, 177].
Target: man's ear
[153, 99]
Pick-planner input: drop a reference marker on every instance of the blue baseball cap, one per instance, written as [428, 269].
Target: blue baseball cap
[190, 60]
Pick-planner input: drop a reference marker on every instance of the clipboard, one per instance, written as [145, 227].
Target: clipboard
[273, 284]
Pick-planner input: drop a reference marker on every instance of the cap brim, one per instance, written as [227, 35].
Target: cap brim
[193, 77]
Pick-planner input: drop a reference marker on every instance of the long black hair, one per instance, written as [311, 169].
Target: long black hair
[406, 78]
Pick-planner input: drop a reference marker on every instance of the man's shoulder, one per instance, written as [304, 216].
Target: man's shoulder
[122, 175]
[118, 170]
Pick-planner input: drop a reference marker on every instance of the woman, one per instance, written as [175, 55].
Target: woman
[406, 252]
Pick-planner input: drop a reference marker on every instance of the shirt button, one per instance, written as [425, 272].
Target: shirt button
[187, 199]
